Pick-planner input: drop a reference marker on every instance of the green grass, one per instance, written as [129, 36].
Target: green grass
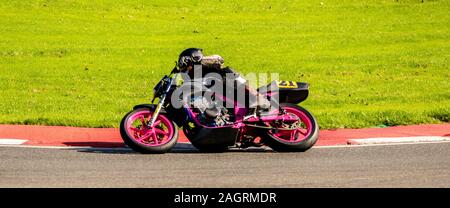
[86, 63]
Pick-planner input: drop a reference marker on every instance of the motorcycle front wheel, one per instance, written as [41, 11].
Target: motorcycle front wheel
[139, 136]
[302, 138]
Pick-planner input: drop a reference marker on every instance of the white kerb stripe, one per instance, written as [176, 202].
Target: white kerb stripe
[12, 141]
[386, 140]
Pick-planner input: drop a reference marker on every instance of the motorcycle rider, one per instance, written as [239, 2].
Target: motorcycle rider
[215, 63]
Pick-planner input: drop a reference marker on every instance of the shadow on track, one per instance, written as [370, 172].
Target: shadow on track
[179, 148]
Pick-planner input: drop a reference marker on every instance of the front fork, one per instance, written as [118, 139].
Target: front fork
[161, 102]
[156, 112]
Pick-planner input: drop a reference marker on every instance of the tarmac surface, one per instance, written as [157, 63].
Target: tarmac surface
[407, 165]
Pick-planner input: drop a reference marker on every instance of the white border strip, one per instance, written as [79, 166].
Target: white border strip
[128, 149]
[375, 145]
[12, 141]
[388, 140]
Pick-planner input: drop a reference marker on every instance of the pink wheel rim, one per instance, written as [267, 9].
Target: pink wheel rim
[159, 134]
[303, 130]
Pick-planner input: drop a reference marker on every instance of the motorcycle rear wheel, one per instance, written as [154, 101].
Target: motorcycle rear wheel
[301, 139]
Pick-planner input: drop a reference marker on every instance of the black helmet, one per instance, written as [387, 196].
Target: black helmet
[189, 57]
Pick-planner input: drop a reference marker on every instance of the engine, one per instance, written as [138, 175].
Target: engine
[210, 113]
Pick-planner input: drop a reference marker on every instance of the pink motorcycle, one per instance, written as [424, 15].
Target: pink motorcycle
[153, 128]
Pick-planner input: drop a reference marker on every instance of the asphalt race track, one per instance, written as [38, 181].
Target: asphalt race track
[413, 165]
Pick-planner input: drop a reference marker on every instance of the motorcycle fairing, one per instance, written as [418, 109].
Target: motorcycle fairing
[215, 136]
